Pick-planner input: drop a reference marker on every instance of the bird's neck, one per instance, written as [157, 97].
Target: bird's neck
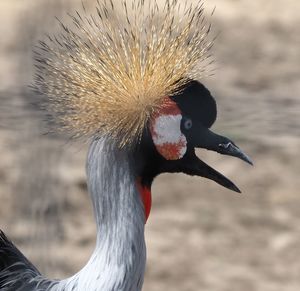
[118, 262]
[111, 182]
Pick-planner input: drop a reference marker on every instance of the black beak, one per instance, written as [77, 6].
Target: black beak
[202, 137]
[231, 149]
[191, 165]
[196, 167]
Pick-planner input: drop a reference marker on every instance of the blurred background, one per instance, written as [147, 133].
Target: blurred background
[199, 235]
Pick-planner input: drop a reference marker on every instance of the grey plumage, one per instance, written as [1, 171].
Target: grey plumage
[118, 262]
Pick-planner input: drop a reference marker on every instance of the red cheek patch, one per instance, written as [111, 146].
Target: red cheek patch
[172, 151]
[166, 134]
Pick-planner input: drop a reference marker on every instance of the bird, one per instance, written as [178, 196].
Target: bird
[127, 79]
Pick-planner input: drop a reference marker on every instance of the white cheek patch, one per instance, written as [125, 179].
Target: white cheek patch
[167, 129]
[167, 136]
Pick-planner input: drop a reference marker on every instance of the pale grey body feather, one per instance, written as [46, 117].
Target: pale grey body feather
[118, 261]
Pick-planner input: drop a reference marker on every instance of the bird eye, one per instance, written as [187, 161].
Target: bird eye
[188, 124]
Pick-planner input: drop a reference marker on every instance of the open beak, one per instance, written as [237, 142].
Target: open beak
[205, 138]
[193, 166]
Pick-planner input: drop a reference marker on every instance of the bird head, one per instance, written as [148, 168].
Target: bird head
[177, 129]
[126, 73]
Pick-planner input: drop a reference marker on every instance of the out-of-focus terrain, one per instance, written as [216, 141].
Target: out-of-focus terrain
[199, 236]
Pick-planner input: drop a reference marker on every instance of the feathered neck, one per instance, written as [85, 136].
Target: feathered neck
[118, 262]
[112, 185]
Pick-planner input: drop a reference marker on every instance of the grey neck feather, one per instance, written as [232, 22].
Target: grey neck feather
[118, 262]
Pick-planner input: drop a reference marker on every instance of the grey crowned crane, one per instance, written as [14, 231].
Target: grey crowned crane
[124, 78]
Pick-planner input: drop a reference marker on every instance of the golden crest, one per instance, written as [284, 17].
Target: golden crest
[109, 72]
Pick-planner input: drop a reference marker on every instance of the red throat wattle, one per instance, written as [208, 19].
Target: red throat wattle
[146, 197]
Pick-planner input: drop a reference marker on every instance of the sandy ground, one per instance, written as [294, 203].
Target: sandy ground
[199, 236]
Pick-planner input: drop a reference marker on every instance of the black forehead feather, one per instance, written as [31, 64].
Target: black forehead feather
[196, 102]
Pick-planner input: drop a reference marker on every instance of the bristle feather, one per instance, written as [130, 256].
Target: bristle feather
[107, 76]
